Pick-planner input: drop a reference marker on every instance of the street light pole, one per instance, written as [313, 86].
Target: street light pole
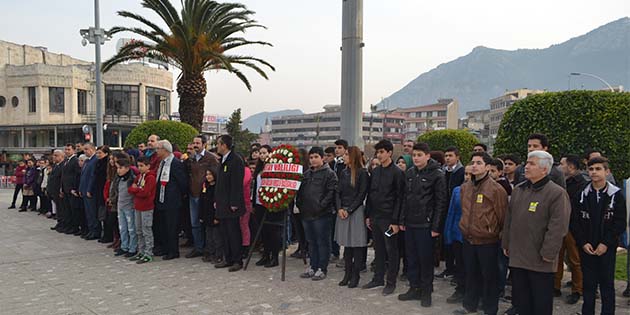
[352, 72]
[97, 36]
[595, 77]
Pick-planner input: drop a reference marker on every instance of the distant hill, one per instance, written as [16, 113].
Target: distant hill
[257, 121]
[486, 73]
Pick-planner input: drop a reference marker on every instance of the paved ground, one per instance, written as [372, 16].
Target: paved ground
[44, 272]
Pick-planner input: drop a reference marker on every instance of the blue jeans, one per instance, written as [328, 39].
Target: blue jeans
[197, 230]
[127, 226]
[503, 269]
[317, 233]
[90, 209]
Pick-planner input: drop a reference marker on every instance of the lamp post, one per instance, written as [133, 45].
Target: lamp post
[352, 72]
[97, 36]
[593, 76]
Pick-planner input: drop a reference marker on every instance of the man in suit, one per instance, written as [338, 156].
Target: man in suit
[87, 191]
[53, 188]
[231, 202]
[172, 185]
[70, 173]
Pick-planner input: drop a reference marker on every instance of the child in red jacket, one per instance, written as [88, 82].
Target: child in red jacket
[143, 190]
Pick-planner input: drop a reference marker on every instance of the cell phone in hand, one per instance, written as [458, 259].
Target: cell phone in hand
[389, 232]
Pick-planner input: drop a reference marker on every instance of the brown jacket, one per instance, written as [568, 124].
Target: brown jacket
[197, 171]
[484, 203]
[535, 225]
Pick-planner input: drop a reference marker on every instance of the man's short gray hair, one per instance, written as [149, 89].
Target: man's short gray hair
[83, 157]
[545, 160]
[58, 151]
[166, 145]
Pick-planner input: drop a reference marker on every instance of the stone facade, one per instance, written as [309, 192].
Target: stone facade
[28, 75]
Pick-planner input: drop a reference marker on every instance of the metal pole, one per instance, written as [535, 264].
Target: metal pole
[352, 72]
[98, 36]
[595, 77]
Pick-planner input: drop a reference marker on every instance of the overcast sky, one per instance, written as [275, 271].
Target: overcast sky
[403, 38]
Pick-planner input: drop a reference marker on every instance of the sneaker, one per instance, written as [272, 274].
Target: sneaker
[130, 254]
[319, 275]
[144, 259]
[455, 298]
[412, 294]
[120, 252]
[309, 273]
[573, 298]
[138, 256]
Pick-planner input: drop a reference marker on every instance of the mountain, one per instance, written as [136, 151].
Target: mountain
[486, 73]
[257, 121]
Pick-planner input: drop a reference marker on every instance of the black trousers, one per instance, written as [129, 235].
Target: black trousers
[460, 271]
[170, 231]
[449, 258]
[272, 231]
[482, 271]
[532, 291]
[420, 259]
[16, 192]
[73, 212]
[296, 222]
[599, 270]
[108, 225]
[159, 230]
[354, 258]
[385, 248]
[232, 240]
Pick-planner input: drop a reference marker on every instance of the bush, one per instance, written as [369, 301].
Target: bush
[174, 131]
[574, 122]
[442, 139]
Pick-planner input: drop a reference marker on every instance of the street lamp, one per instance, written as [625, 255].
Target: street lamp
[97, 36]
[594, 76]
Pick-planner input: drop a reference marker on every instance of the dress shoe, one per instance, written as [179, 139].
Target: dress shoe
[11, 207]
[372, 284]
[235, 267]
[223, 264]
[70, 231]
[425, 301]
[54, 228]
[411, 294]
[120, 252]
[104, 241]
[169, 257]
[91, 238]
[194, 253]
[77, 233]
[263, 261]
[22, 210]
[272, 263]
[389, 289]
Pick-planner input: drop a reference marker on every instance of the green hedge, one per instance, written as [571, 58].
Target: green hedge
[173, 131]
[442, 139]
[574, 121]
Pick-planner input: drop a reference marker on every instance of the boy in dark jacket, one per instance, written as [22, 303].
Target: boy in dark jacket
[385, 197]
[143, 191]
[316, 201]
[597, 221]
[423, 211]
[214, 240]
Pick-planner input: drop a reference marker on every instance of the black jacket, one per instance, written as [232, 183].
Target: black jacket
[386, 193]
[454, 179]
[337, 165]
[612, 219]
[70, 175]
[176, 187]
[207, 211]
[316, 197]
[575, 185]
[53, 188]
[350, 198]
[229, 187]
[100, 174]
[425, 202]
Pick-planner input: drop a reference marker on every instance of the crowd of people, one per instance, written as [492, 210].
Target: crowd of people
[494, 221]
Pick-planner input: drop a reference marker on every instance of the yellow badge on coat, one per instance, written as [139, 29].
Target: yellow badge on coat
[532, 206]
[225, 169]
[480, 198]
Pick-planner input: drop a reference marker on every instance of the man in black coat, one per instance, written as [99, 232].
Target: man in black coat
[70, 174]
[230, 202]
[53, 188]
[172, 185]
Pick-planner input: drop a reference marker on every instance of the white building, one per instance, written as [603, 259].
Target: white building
[46, 98]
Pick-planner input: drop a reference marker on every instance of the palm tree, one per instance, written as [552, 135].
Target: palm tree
[196, 40]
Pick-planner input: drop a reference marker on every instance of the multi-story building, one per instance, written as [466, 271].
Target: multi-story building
[212, 125]
[478, 123]
[46, 99]
[439, 116]
[323, 128]
[500, 105]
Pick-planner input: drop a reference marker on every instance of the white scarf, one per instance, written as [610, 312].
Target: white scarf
[165, 174]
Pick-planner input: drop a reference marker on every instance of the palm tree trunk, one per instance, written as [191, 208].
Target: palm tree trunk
[192, 91]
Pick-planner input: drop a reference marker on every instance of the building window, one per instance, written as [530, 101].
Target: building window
[122, 100]
[56, 95]
[158, 102]
[442, 113]
[82, 101]
[429, 114]
[32, 100]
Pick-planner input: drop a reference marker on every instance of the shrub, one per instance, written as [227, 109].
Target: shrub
[574, 122]
[174, 131]
[442, 139]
